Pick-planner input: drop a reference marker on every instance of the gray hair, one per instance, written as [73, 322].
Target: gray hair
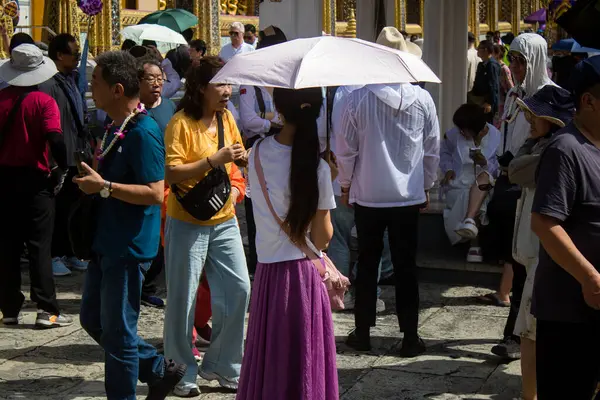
[120, 67]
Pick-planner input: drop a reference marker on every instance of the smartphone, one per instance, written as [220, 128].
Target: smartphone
[79, 158]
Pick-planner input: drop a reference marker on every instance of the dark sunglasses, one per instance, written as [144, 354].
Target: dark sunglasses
[516, 58]
[232, 33]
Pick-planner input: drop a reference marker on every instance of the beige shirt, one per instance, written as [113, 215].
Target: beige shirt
[472, 62]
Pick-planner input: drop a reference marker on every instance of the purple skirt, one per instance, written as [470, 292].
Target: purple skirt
[290, 347]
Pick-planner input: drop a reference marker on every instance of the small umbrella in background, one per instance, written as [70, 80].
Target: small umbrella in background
[570, 45]
[537, 17]
[165, 38]
[324, 61]
[175, 18]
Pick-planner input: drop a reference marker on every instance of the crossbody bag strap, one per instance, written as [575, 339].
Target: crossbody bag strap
[78, 122]
[306, 249]
[261, 102]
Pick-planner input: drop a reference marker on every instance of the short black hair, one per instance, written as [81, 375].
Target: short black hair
[199, 45]
[188, 34]
[487, 45]
[19, 39]
[120, 67]
[149, 43]
[470, 117]
[147, 60]
[489, 33]
[404, 33]
[508, 38]
[60, 44]
[250, 28]
[128, 44]
[470, 38]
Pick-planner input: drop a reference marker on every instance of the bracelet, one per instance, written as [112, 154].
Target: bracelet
[209, 163]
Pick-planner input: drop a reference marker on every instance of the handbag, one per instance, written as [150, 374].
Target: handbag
[82, 223]
[335, 283]
[209, 195]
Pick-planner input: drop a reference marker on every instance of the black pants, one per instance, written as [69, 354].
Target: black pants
[518, 282]
[251, 227]
[27, 215]
[567, 360]
[149, 287]
[66, 198]
[402, 225]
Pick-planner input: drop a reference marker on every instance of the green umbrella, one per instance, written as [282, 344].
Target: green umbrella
[175, 18]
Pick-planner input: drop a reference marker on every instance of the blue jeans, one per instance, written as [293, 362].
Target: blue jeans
[342, 218]
[188, 247]
[110, 308]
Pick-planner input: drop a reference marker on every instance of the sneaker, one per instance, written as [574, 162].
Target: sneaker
[12, 320]
[475, 255]
[197, 354]
[380, 307]
[358, 342]
[152, 301]
[412, 347]
[47, 320]
[186, 390]
[508, 348]
[348, 301]
[76, 263]
[174, 372]
[59, 268]
[227, 383]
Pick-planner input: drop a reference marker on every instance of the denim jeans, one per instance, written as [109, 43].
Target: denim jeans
[187, 248]
[110, 308]
[342, 218]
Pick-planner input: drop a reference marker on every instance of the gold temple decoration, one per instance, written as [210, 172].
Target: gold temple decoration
[492, 17]
[7, 22]
[208, 13]
[232, 7]
[351, 27]
[400, 14]
[242, 7]
[516, 16]
[162, 4]
[329, 8]
[474, 18]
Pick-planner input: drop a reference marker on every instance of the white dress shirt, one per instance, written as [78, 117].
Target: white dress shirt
[388, 145]
[472, 62]
[228, 51]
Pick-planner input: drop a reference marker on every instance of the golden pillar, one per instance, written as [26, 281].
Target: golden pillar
[208, 13]
[515, 21]
[329, 14]
[422, 16]
[492, 17]
[400, 14]
[474, 18]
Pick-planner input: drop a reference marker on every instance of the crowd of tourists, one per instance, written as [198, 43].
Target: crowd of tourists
[155, 190]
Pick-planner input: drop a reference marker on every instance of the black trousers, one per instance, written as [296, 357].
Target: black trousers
[64, 201]
[27, 215]
[149, 287]
[567, 360]
[518, 282]
[402, 225]
[251, 227]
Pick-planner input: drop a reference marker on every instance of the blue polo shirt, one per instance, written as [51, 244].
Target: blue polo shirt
[127, 230]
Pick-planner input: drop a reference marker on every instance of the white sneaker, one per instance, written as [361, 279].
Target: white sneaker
[186, 390]
[380, 307]
[227, 383]
[475, 255]
[59, 268]
[76, 263]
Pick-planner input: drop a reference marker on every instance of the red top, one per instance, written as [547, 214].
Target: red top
[26, 145]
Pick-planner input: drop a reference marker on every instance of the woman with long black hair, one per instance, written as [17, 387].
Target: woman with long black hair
[290, 348]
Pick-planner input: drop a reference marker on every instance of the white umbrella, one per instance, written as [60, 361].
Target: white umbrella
[161, 34]
[324, 61]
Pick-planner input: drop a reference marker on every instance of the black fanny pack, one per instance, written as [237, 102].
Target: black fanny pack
[209, 195]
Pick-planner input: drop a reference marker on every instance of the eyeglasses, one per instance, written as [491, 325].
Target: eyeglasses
[516, 58]
[232, 33]
[154, 79]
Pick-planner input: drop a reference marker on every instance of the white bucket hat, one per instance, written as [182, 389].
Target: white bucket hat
[391, 37]
[27, 66]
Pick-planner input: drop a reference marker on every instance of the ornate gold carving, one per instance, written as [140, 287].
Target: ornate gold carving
[226, 20]
[351, 28]
[232, 7]
[516, 16]
[132, 17]
[242, 7]
[329, 16]
[162, 4]
[474, 18]
[209, 16]
[7, 22]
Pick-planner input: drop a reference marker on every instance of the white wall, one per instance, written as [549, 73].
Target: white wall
[296, 18]
[365, 18]
[446, 54]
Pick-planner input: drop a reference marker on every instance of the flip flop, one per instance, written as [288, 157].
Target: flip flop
[492, 299]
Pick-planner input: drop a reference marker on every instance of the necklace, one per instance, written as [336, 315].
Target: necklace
[119, 133]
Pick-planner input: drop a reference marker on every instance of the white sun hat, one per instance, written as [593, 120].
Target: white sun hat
[27, 66]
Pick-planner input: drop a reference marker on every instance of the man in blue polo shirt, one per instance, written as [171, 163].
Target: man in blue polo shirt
[130, 182]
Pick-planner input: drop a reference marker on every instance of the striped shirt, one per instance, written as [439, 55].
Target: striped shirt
[388, 145]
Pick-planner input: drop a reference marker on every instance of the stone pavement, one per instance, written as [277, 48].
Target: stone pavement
[65, 364]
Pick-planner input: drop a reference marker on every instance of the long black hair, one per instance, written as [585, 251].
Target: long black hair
[301, 108]
[198, 77]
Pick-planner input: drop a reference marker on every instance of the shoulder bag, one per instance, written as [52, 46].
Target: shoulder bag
[209, 195]
[335, 283]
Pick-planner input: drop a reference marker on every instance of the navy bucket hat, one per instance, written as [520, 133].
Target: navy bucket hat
[551, 103]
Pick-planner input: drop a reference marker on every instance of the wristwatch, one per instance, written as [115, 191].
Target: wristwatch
[106, 191]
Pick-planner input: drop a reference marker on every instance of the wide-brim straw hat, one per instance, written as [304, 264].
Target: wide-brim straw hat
[552, 103]
[392, 38]
[27, 66]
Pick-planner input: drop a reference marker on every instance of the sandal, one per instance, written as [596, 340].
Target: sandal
[492, 299]
[468, 229]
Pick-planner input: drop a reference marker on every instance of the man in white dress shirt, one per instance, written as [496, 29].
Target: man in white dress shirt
[237, 45]
[388, 156]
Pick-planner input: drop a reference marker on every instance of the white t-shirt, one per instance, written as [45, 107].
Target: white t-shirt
[272, 244]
